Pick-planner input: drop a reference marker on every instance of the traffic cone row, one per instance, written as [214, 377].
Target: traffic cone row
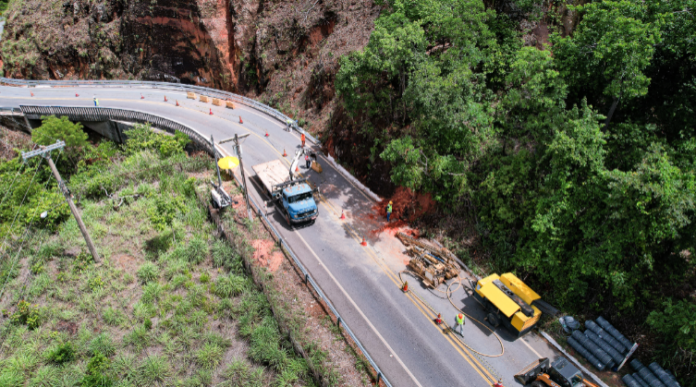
[165, 98]
[343, 216]
[405, 287]
[363, 242]
[284, 153]
[211, 111]
[240, 120]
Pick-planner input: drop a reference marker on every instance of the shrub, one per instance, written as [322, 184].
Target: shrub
[229, 286]
[63, 353]
[27, 314]
[154, 370]
[147, 324]
[205, 278]
[148, 272]
[96, 368]
[151, 292]
[197, 250]
[210, 356]
[102, 344]
[112, 316]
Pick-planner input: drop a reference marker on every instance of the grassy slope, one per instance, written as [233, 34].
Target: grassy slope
[169, 308]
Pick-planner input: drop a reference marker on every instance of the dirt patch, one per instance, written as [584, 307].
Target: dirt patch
[126, 262]
[407, 206]
[264, 255]
[67, 327]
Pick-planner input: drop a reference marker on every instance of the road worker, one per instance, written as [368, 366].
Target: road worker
[303, 139]
[289, 125]
[96, 102]
[308, 161]
[389, 210]
[459, 320]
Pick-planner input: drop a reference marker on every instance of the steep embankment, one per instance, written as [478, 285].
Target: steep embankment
[283, 52]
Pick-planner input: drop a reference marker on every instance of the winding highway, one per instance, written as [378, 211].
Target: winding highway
[362, 282]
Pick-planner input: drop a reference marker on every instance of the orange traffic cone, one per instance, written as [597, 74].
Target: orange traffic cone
[343, 216]
[32, 94]
[363, 242]
[240, 120]
[142, 96]
[284, 153]
[267, 133]
[211, 111]
[165, 98]
[297, 169]
[77, 95]
[177, 103]
[438, 320]
[405, 287]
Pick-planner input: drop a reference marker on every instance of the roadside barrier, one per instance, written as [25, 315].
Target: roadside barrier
[190, 91]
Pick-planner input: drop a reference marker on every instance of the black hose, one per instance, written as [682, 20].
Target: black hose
[594, 349]
[661, 374]
[630, 381]
[650, 378]
[604, 335]
[615, 355]
[612, 331]
[586, 354]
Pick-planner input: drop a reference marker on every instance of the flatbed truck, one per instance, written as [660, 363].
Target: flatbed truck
[293, 196]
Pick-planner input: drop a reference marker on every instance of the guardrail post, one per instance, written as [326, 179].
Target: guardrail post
[379, 377]
[338, 321]
[306, 278]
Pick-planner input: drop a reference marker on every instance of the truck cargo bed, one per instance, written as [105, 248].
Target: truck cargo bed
[271, 174]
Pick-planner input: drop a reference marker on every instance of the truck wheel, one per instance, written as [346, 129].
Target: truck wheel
[537, 383]
[493, 320]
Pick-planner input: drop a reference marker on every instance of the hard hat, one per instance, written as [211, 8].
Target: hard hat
[390, 202]
[460, 315]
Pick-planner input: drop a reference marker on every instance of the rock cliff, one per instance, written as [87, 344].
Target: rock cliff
[283, 52]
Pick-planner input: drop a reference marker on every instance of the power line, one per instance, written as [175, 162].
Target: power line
[9, 231]
[13, 181]
[26, 229]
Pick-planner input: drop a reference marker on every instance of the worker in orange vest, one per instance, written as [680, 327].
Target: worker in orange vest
[303, 139]
[459, 319]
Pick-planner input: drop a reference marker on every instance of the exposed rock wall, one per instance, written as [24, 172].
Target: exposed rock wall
[284, 52]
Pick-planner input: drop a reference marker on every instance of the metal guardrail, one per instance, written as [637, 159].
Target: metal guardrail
[102, 114]
[163, 86]
[114, 114]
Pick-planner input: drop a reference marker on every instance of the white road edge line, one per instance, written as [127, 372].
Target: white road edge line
[361, 312]
[398, 359]
[530, 347]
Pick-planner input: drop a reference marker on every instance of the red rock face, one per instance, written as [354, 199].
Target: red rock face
[284, 52]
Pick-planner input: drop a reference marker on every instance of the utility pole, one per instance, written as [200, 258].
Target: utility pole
[238, 149]
[45, 152]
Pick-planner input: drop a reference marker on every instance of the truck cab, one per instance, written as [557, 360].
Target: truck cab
[298, 202]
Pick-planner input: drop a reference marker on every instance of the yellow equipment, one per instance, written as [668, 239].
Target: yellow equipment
[559, 374]
[510, 302]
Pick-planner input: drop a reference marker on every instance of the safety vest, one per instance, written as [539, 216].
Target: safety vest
[460, 319]
[389, 208]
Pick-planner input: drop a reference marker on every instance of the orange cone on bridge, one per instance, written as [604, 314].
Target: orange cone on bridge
[240, 120]
[165, 98]
[267, 133]
[177, 103]
[32, 94]
[343, 216]
[142, 96]
[284, 153]
[438, 320]
[211, 111]
[77, 95]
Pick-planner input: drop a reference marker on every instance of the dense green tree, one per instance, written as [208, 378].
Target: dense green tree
[609, 51]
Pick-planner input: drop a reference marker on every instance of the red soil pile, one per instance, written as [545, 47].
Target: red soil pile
[407, 206]
[264, 256]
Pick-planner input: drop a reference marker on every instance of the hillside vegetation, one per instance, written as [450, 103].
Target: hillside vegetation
[572, 162]
[168, 305]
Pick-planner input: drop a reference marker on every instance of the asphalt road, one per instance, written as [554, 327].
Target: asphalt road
[362, 282]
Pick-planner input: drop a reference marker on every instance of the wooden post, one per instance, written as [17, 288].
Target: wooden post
[76, 214]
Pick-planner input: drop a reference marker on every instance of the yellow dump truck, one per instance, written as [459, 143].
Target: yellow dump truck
[510, 302]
